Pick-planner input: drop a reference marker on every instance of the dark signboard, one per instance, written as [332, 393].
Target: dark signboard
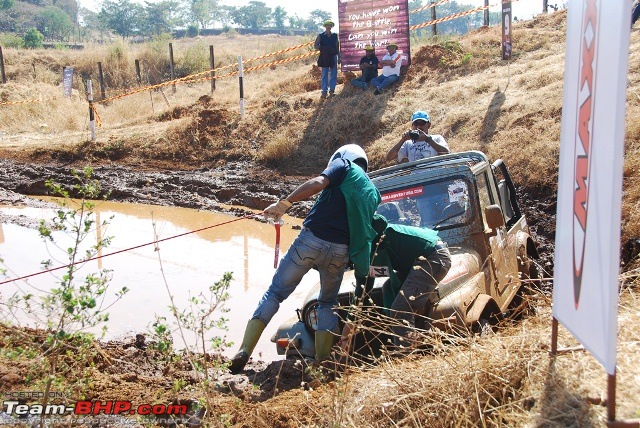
[506, 30]
[372, 22]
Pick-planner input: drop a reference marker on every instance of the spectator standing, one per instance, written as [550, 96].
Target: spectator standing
[338, 228]
[329, 46]
[391, 63]
[369, 67]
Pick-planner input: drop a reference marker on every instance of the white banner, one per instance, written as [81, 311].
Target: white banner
[585, 290]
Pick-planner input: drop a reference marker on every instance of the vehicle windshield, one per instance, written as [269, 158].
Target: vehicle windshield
[437, 205]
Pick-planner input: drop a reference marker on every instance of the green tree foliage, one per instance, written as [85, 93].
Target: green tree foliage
[7, 4]
[54, 23]
[33, 39]
[255, 15]
[205, 12]
[317, 18]
[279, 17]
[123, 16]
[161, 17]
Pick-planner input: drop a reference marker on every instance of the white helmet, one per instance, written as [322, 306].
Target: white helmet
[352, 152]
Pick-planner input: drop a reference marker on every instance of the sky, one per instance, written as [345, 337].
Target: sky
[522, 9]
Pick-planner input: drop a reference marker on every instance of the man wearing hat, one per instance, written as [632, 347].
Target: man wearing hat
[391, 64]
[369, 67]
[329, 46]
[417, 143]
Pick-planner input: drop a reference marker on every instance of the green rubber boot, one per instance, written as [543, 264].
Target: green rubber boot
[255, 327]
[324, 343]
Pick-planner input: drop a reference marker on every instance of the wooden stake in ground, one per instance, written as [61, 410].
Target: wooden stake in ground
[4, 76]
[92, 119]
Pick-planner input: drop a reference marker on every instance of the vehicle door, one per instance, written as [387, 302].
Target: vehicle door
[502, 255]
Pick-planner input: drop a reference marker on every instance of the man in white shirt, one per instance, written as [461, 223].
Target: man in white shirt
[391, 64]
[417, 143]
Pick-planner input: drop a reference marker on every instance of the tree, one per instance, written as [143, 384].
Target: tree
[317, 17]
[204, 11]
[123, 16]
[33, 39]
[296, 22]
[255, 15]
[279, 16]
[54, 23]
[161, 17]
[7, 4]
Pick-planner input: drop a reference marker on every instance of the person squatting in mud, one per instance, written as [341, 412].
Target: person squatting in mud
[415, 260]
[337, 229]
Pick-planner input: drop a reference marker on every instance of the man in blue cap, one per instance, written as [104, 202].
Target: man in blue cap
[417, 143]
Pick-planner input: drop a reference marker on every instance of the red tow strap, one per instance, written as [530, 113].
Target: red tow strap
[275, 259]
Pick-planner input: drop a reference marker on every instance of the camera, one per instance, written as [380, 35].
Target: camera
[414, 135]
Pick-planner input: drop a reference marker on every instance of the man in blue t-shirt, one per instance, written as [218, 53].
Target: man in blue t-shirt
[369, 67]
[338, 228]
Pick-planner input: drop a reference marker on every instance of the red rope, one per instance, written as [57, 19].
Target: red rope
[127, 249]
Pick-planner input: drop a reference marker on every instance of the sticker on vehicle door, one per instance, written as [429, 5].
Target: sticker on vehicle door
[457, 191]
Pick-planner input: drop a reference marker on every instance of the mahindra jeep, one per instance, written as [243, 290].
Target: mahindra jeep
[472, 205]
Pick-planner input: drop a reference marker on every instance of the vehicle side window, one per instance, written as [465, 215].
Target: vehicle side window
[484, 195]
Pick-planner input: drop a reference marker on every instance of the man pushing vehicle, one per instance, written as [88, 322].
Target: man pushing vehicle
[338, 228]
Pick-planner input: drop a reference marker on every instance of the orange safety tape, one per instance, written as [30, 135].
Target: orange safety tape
[96, 115]
[429, 6]
[9, 103]
[257, 67]
[448, 18]
[190, 78]
[451, 17]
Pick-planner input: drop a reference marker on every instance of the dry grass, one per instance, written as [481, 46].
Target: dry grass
[505, 379]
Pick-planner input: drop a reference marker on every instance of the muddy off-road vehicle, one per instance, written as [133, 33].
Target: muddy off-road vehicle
[472, 204]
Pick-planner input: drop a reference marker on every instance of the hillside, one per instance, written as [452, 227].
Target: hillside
[478, 102]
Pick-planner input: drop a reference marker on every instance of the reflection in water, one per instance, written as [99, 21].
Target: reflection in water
[190, 264]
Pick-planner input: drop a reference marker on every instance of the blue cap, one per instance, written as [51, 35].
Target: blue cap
[420, 115]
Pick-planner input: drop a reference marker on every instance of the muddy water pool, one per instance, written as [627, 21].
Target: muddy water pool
[187, 265]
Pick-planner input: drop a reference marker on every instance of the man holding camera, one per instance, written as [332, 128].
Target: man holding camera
[417, 143]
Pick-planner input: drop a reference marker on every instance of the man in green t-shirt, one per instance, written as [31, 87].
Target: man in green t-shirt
[415, 260]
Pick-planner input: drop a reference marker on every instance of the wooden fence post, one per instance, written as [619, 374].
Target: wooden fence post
[212, 64]
[4, 76]
[173, 72]
[486, 13]
[434, 28]
[137, 62]
[101, 78]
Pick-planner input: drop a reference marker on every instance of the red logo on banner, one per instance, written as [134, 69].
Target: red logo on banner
[582, 151]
